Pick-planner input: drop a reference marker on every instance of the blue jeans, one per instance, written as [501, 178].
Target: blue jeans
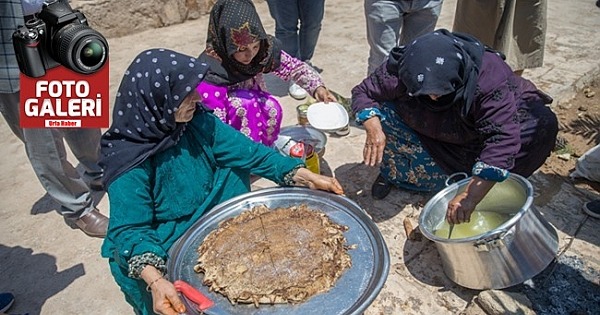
[297, 25]
[397, 22]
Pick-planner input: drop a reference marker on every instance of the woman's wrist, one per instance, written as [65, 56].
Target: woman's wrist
[477, 189]
[302, 177]
[365, 114]
[288, 179]
[138, 263]
[316, 92]
[151, 276]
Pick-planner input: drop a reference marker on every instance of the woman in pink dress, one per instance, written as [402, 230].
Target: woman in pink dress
[239, 51]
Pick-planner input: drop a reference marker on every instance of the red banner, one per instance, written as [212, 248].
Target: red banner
[66, 99]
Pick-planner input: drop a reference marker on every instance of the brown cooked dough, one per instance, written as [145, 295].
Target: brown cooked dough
[274, 256]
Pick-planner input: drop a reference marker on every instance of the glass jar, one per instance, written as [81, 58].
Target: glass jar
[301, 111]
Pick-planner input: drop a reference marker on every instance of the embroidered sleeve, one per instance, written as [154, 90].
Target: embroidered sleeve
[367, 113]
[298, 71]
[139, 262]
[489, 172]
[288, 179]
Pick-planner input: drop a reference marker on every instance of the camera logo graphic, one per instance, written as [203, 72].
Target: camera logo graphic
[64, 71]
[59, 35]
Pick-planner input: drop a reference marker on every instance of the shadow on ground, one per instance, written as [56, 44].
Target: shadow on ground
[586, 126]
[276, 86]
[38, 269]
[357, 179]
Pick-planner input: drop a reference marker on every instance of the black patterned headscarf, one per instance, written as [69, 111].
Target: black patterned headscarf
[233, 24]
[143, 122]
[440, 63]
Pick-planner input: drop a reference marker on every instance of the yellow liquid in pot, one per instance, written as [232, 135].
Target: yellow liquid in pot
[481, 222]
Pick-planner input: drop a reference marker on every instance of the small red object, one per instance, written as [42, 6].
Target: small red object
[193, 295]
[297, 150]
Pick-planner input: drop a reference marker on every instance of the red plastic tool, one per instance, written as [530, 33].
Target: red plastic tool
[193, 295]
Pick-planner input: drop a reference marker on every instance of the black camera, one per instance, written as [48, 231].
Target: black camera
[59, 35]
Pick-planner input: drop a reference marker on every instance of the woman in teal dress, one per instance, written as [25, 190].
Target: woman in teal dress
[168, 160]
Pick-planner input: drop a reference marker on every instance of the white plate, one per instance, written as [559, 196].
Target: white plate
[328, 117]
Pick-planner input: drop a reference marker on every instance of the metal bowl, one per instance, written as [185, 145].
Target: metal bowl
[308, 134]
[353, 292]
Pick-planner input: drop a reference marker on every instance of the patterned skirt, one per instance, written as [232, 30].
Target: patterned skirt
[255, 113]
[406, 164]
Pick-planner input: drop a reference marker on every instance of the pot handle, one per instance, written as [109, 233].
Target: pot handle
[497, 239]
[451, 177]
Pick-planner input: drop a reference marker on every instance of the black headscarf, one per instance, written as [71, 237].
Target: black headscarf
[143, 123]
[232, 24]
[440, 63]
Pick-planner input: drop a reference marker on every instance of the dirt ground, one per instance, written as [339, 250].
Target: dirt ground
[579, 121]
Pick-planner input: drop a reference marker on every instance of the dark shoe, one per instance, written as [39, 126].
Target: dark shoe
[381, 188]
[94, 180]
[93, 224]
[6, 301]
[592, 208]
[97, 186]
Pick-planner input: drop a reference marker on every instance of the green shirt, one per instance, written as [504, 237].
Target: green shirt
[154, 203]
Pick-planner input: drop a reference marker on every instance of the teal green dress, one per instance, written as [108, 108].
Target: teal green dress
[154, 203]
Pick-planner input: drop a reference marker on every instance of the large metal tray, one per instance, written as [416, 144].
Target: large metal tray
[354, 291]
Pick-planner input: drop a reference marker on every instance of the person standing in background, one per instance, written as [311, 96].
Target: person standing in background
[45, 146]
[517, 28]
[297, 26]
[391, 23]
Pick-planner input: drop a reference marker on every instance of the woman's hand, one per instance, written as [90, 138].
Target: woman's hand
[460, 209]
[462, 205]
[304, 177]
[322, 94]
[375, 142]
[165, 299]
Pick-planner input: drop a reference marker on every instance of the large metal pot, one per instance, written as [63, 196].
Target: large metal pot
[515, 251]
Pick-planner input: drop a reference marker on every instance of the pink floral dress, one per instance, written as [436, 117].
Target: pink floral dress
[249, 108]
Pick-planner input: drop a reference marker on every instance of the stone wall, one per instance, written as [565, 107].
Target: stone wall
[114, 18]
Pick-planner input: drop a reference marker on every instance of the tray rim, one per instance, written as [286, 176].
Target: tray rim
[352, 208]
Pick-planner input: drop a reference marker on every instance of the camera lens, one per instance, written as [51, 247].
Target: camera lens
[80, 48]
[91, 53]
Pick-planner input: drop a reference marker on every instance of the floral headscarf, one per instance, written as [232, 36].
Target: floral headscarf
[233, 24]
[153, 87]
[440, 63]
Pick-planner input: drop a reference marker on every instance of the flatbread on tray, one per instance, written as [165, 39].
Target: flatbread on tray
[284, 255]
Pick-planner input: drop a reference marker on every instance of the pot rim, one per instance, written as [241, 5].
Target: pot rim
[492, 234]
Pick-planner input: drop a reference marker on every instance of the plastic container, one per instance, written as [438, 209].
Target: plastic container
[307, 153]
